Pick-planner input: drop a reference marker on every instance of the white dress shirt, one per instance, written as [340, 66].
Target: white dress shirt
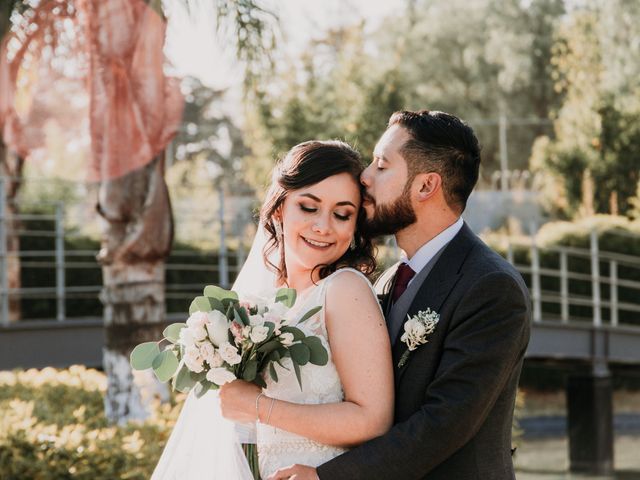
[426, 252]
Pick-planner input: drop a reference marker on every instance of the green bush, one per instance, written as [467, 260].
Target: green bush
[52, 427]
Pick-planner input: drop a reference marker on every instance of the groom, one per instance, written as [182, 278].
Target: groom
[454, 394]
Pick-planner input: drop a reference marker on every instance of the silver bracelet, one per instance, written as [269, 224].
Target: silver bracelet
[258, 406]
[273, 401]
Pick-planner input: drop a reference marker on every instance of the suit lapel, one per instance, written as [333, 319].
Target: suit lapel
[436, 287]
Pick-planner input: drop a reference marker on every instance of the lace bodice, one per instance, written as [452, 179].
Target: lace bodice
[320, 384]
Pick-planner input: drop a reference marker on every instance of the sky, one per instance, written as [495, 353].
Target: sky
[194, 48]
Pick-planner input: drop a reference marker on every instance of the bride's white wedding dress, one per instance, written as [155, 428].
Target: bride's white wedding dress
[320, 384]
[193, 452]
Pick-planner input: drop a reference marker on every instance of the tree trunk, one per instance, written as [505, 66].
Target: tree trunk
[137, 237]
[11, 165]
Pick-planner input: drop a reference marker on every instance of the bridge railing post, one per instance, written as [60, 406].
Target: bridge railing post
[564, 286]
[536, 294]
[4, 276]
[595, 280]
[60, 273]
[613, 292]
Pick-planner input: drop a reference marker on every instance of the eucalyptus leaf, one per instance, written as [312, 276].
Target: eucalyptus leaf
[296, 368]
[319, 354]
[310, 313]
[269, 347]
[172, 332]
[200, 304]
[260, 382]
[142, 356]
[183, 382]
[165, 365]
[203, 387]
[240, 316]
[250, 371]
[272, 372]
[297, 333]
[219, 293]
[300, 353]
[287, 296]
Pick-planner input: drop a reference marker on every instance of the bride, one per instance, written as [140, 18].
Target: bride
[312, 220]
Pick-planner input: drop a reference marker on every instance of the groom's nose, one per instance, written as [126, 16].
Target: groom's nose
[365, 176]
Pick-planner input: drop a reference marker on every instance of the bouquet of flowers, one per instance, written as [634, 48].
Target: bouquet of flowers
[225, 338]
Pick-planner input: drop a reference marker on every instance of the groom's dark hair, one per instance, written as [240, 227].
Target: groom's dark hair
[306, 164]
[444, 144]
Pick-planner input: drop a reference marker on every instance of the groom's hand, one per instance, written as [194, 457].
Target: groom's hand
[238, 401]
[295, 472]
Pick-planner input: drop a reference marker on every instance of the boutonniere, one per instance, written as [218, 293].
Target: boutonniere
[416, 331]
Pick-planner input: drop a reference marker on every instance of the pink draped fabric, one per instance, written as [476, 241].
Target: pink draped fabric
[83, 81]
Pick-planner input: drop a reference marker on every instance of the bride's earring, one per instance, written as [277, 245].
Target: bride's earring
[278, 228]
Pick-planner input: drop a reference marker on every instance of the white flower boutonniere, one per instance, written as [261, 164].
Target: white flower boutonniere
[416, 331]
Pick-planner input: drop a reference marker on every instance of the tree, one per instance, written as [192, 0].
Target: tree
[133, 200]
[596, 131]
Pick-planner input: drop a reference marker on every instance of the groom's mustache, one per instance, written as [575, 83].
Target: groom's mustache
[367, 198]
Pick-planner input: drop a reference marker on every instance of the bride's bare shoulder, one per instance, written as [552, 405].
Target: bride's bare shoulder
[349, 290]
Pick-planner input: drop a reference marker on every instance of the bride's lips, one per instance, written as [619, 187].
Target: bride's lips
[316, 244]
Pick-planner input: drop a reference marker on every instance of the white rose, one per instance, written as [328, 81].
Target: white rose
[197, 319]
[218, 327]
[199, 333]
[229, 353]
[186, 337]
[286, 339]
[220, 376]
[193, 360]
[259, 334]
[255, 320]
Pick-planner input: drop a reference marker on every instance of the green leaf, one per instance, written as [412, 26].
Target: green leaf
[142, 356]
[319, 354]
[272, 372]
[300, 353]
[310, 313]
[297, 333]
[203, 387]
[219, 294]
[296, 367]
[240, 316]
[250, 371]
[183, 382]
[260, 382]
[200, 304]
[165, 365]
[269, 347]
[287, 296]
[172, 332]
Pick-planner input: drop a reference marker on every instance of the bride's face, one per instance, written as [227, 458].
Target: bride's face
[318, 222]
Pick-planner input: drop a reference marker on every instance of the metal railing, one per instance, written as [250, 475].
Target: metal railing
[594, 280]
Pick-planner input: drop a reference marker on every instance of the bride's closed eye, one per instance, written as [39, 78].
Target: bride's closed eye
[304, 208]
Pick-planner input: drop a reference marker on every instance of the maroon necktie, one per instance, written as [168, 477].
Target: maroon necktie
[404, 274]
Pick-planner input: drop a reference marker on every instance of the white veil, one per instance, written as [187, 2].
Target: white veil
[203, 444]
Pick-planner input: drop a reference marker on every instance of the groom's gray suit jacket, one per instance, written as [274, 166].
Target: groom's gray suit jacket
[455, 394]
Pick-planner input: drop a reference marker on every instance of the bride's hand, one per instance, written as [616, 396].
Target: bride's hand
[238, 401]
[297, 472]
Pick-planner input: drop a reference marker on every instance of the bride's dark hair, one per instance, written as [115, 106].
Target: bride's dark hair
[307, 164]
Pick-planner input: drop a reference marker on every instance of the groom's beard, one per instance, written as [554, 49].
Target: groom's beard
[391, 218]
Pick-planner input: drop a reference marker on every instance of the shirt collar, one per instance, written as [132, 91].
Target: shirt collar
[427, 251]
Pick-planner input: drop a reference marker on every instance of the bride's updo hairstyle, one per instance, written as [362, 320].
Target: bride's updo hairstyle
[307, 164]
